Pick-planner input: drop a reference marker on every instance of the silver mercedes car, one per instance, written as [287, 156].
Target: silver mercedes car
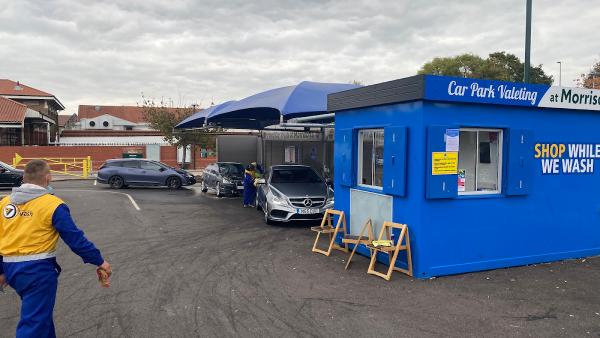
[293, 193]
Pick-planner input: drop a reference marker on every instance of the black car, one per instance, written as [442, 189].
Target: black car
[9, 176]
[225, 178]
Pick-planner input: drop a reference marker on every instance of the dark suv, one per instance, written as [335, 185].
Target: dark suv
[9, 176]
[225, 178]
[120, 173]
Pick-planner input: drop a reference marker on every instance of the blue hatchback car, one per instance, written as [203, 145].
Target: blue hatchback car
[121, 173]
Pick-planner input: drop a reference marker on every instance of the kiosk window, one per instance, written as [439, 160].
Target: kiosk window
[370, 157]
[479, 161]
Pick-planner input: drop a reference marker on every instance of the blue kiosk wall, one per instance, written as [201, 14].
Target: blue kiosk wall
[535, 216]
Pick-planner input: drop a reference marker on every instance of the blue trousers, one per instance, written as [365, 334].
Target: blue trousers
[36, 283]
[249, 195]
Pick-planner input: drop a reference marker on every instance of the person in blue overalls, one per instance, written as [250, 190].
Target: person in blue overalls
[32, 220]
[249, 187]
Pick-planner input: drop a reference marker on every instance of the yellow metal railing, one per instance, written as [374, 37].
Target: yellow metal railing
[72, 166]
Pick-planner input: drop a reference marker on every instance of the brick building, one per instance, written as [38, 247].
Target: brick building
[28, 116]
[126, 118]
[66, 122]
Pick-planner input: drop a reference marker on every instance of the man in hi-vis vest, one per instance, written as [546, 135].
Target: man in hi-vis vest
[32, 220]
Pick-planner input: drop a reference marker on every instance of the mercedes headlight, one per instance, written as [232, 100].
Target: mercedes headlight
[226, 181]
[279, 200]
[330, 197]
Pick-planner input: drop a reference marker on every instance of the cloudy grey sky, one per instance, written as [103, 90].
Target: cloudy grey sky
[193, 51]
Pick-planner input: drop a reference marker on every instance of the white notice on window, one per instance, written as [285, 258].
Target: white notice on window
[452, 139]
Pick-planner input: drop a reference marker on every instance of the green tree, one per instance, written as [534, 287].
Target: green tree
[497, 66]
[465, 65]
[164, 119]
[591, 79]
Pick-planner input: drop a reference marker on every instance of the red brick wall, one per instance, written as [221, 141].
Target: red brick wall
[99, 154]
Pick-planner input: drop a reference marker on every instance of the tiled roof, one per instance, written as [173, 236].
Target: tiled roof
[129, 113]
[11, 111]
[9, 87]
[64, 119]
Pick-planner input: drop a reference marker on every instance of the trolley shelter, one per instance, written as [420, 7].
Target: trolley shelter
[486, 174]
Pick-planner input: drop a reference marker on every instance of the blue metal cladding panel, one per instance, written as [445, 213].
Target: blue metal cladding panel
[439, 186]
[344, 149]
[406, 209]
[519, 164]
[394, 161]
[481, 232]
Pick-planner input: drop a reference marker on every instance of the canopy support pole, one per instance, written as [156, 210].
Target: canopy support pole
[324, 145]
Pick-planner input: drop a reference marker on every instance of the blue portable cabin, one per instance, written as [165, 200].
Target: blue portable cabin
[486, 174]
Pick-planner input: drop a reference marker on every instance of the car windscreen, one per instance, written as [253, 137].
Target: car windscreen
[295, 175]
[231, 169]
[6, 166]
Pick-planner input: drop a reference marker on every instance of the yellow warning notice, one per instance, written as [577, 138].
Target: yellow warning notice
[444, 163]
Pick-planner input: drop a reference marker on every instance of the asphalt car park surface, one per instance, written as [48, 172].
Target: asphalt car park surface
[189, 264]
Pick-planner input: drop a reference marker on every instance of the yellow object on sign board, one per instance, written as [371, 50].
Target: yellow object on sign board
[444, 163]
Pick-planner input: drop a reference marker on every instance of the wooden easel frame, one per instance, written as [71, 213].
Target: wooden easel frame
[392, 251]
[330, 230]
[361, 239]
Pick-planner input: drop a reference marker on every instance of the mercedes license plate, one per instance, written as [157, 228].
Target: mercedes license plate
[307, 211]
[240, 187]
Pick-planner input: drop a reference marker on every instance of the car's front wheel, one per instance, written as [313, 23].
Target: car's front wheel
[219, 194]
[116, 182]
[174, 183]
[267, 220]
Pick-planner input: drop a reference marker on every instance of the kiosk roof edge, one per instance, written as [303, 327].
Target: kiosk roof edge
[467, 90]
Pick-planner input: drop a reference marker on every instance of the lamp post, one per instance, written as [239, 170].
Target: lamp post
[527, 41]
[559, 73]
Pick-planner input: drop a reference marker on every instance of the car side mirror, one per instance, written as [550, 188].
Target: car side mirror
[329, 182]
[260, 181]
[162, 169]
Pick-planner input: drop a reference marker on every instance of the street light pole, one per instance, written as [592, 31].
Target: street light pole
[559, 73]
[527, 41]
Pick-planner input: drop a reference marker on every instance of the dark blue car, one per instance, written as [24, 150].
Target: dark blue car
[121, 173]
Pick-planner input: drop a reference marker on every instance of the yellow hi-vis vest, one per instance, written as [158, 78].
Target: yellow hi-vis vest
[27, 229]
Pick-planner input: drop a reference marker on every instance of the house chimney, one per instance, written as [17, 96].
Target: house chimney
[18, 86]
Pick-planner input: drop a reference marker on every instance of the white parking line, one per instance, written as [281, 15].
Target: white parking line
[95, 182]
[133, 202]
[135, 205]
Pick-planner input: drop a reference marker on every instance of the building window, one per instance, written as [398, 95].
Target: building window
[370, 158]
[479, 161]
[128, 128]
[290, 155]
[92, 124]
[10, 137]
[188, 157]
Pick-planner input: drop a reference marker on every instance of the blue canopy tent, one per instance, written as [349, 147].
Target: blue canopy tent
[198, 119]
[269, 107]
